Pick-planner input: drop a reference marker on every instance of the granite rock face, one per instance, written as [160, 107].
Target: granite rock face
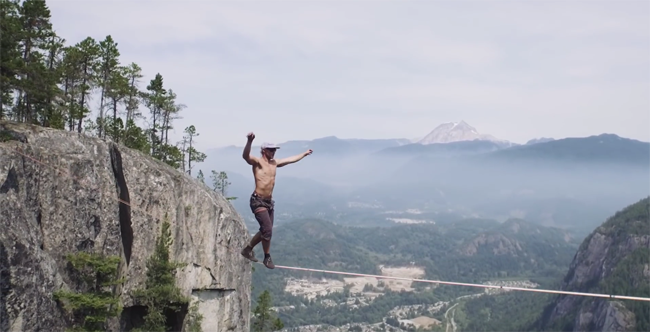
[62, 192]
[601, 254]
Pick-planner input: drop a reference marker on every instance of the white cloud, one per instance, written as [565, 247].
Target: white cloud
[295, 70]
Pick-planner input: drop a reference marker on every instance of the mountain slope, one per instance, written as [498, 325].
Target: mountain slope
[614, 259]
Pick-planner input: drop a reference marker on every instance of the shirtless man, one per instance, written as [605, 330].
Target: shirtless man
[261, 201]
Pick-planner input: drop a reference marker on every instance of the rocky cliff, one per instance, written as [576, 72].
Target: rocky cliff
[614, 259]
[62, 192]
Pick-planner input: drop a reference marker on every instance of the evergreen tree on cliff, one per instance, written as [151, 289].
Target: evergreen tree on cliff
[263, 317]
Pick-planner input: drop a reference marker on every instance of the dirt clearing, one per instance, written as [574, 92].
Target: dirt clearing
[413, 272]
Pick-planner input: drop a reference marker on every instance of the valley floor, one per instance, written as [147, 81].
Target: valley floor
[439, 316]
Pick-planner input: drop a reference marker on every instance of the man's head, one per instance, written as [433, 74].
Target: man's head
[268, 150]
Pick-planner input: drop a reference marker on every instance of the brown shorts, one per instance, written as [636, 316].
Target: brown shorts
[264, 217]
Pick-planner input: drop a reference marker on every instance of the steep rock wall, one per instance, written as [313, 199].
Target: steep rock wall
[610, 260]
[59, 194]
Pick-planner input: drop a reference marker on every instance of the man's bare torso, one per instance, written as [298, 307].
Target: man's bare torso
[264, 173]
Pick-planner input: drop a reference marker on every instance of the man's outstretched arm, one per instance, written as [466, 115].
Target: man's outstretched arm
[293, 159]
[251, 160]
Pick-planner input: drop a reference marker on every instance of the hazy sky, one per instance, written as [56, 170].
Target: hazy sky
[381, 69]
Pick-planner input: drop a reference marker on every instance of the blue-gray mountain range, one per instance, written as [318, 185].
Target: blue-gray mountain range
[453, 170]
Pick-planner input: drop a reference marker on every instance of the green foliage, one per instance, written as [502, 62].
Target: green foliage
[160, 294]
[95, 302]
[220, 183]
[10, 55]
[46, 81]
[169, 154]
[263, 318]
[194, 318]
[511, 311]
[633, 220]
[628, 279]
[135, 137]
[5, 136]
[190, 153]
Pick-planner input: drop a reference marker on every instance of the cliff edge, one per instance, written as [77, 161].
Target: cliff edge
[614, 259]
[69, 193]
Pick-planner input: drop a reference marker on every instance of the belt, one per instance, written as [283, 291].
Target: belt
[257, 195]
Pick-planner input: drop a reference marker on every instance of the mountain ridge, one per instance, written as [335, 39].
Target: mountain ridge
[595, 148]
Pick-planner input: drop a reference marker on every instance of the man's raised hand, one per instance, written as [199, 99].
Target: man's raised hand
[250, 136]
[309, 152]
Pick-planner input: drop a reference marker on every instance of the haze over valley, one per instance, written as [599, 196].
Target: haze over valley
[455, 172]
[455, 205]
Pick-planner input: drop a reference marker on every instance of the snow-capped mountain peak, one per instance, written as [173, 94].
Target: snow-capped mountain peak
[455, 132]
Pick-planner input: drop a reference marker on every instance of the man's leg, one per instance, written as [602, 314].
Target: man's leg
[248, 250]
[266, 245]
[255, 239]
[263, 217]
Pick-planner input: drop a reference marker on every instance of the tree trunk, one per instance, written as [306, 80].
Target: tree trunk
[22, 94]
[115, 130]
[129, 110]
[164, 126]
[189, 157]
[82, 102]
[153, 133]
[48, 111]
[101, 110]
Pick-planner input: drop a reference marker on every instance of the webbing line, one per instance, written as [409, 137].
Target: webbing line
[537, 290]
[623, 297]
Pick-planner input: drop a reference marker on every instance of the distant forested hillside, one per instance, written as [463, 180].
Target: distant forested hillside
[471, 250]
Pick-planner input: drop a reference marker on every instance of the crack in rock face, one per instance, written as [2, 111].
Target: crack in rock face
[126, 230]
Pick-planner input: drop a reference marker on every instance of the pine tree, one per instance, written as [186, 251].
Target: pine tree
[136, 138]
[263, 319]
[88, 51]
[193, 155]
[95, 276]
[33, 84]
[50, 114]
[10, 55]
[169, 112]
[116, 91]
[160, 293]
[106, 69]
[71, 85]
[133, 74]
[155, 100]
[220, 183]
